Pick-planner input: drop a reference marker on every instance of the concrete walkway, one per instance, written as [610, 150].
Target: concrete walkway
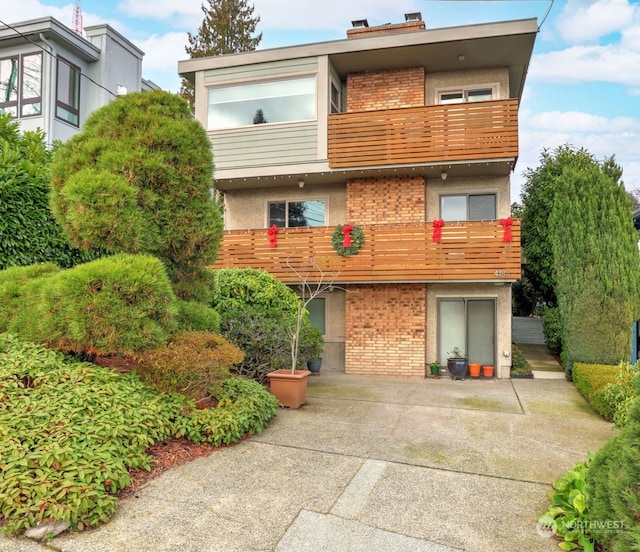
[527, 334]
[368, 464]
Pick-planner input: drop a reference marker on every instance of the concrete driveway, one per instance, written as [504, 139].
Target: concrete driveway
[369, 464]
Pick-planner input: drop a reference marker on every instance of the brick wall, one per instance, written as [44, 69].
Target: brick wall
[387, 89]
[385, 330]
[386, 200]
[392, 28]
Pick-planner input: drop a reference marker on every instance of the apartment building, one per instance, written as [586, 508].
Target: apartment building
[401, 139]
[52, 78]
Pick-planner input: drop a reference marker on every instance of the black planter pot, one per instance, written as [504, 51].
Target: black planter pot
[314, 366]
[457, 368]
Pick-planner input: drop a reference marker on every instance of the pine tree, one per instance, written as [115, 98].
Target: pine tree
[228, 28]
[596, 263]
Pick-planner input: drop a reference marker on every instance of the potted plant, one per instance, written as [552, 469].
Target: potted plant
[434, 368]
[290, 386]
[457, 364]
[311, 344]
[474, 370]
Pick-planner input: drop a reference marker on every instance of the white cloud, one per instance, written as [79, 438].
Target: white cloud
[160, 63]
[576, 121]
[582, 21]
[183, 14]
[588, 64]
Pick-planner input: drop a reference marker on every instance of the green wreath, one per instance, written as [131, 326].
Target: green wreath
[357, 239]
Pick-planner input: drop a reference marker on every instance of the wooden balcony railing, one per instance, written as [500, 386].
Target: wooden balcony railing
[429, 134]
[390, 253]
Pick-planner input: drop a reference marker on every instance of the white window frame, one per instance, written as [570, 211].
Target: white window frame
[465, 90]
[297, 200]
[466, 195]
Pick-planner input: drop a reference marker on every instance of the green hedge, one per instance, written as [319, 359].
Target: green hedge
[122, 303]
[591, 380]
[70, 432]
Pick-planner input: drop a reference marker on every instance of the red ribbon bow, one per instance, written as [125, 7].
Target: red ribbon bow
[346, 230]
[272, 231]
[437, 230]
[506, 223]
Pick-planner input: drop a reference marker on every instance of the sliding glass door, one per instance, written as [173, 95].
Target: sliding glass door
[470, 325]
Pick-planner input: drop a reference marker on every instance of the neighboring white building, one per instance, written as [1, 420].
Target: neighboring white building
[52, 78]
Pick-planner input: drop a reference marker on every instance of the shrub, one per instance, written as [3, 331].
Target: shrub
[137, 179]
[591, 380]
[28, 232]
[613, 486]
[552, 329]
[257, 313]
[190, 363]
[115, 304]
[198, 316]
[568, 512]
[623, 391]
[519, 364]
[70, 432]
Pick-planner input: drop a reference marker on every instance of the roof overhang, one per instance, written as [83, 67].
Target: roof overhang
[501, 44]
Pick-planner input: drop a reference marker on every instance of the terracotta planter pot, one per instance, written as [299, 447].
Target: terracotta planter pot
[487, 371]
[474, 370]
[290, 389]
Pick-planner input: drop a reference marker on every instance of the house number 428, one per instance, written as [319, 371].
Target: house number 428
[500, 273]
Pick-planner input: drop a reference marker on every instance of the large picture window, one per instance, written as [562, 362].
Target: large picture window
[264, 102]
[21, 85]
[296, 213]
[468, 207]
[68, 93]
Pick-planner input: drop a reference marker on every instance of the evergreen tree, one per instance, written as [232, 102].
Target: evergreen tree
[138, 179]
[228, 28]
[538, 197]
[596, 263]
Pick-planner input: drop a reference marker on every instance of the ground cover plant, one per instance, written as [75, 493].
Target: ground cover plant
[70, 432]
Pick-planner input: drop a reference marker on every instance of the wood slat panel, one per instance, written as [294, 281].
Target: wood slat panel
[391, 253]
[482, 130]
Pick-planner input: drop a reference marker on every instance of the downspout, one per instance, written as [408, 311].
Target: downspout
[48, 117]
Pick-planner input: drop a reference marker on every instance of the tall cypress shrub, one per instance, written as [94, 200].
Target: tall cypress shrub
[596, 264]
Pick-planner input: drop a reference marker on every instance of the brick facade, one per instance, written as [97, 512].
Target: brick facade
[385, 330]
[390, 28]
[373, 90]
[386, 200]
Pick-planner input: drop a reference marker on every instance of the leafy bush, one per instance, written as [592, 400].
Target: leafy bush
[591, 380]
[623, 391]
[190, 363]
[70, 432]
[552, 329]
[519, 364]
[198, 316]
[28, 232]
[568, 513]
[613, 484]
[258, 313]
[115, 304]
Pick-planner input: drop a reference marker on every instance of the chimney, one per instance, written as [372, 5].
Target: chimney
[360, 27]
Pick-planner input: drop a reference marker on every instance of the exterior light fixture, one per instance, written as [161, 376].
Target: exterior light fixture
[443, 175]
[300, 183]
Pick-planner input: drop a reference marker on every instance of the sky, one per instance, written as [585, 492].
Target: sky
[582, 89]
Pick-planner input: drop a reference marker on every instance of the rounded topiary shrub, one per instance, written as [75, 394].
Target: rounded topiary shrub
[191, 363]
[138, 179]
[197, 316]
[118, 304]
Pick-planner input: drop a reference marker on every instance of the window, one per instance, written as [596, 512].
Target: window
[316, 308]
[68, 93]
[336, 97]
[21, 85]
[296, 213]
[264, 102]
[468, 207]
[462, 96]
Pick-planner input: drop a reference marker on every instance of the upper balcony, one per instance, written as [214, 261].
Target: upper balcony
[467, 251]
[471, 132]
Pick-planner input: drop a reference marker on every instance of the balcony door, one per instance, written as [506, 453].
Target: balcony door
[469, 324]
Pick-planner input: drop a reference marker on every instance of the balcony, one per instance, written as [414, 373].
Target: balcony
[468, 251]
[430, 134]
